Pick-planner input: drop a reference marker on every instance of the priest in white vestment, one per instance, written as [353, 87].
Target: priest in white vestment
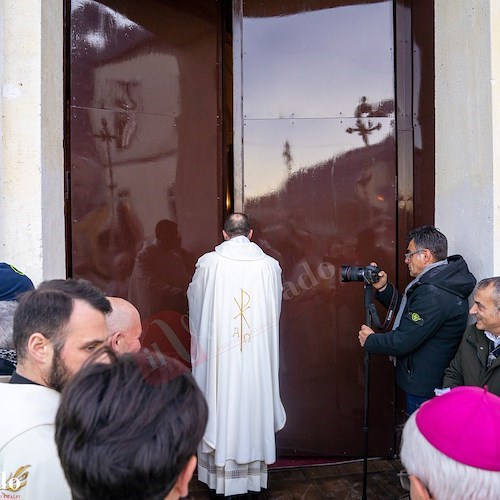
[234, 310]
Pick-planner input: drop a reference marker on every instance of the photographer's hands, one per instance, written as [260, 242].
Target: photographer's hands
[363, 334]
[381, 284]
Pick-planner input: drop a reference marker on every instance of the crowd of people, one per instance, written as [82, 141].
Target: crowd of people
[77, 384]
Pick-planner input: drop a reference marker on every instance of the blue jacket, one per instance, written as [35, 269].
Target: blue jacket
[431, 327]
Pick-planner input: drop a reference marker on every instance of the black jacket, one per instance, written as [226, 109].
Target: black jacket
[431, 327]
[469, 365]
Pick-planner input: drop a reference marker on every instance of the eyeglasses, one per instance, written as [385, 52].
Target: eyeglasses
[409, 254]
[404, 479]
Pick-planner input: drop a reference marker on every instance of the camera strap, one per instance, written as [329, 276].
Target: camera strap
[374, 315]
[390, 310]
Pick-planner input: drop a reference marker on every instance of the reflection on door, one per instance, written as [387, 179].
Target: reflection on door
[315, 171]
[319, 186]
[145, 194]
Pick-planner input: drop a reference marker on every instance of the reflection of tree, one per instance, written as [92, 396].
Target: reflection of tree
[337, 211]
[364, 110]
[287, 156]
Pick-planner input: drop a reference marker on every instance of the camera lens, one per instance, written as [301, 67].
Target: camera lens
[368, 274]
[352, 273]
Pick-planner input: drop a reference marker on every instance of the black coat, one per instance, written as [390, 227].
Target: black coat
[469, 366]
[431, 327]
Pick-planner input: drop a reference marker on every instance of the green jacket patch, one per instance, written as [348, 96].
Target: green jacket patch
[416, 318]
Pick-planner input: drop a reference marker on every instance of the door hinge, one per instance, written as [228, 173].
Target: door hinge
[67, 184]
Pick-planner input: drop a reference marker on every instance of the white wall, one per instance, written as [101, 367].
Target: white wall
[495, 117]
[467, 130]
[31, 128]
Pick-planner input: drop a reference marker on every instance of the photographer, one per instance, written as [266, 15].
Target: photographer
[431, 318]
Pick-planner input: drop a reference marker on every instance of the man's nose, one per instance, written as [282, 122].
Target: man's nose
[473, 309]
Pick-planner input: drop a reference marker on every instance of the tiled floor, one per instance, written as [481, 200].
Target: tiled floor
[343, 481]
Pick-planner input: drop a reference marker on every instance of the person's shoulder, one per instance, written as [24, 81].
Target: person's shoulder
[148, 251]
[272, 261]
[28, 414]
[473, 333]
[29, 399]
[32, 455]
[207, 258]
[36, 436]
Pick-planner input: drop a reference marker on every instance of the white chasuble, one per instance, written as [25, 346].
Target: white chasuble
[234, 309]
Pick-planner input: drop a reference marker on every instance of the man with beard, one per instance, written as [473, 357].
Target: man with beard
[57, 327]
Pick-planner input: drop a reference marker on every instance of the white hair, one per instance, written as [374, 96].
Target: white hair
[445, 478]
[7, 309]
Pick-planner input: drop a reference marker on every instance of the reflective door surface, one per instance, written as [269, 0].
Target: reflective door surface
[315, 170]
[144, 145]
[319, 186]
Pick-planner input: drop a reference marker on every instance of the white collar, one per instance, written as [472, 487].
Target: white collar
[494, 338]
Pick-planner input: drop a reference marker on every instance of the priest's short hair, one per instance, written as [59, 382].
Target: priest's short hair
[237, 224]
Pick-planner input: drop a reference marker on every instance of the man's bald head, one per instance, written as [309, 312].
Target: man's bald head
[124, 326]
[237, 224]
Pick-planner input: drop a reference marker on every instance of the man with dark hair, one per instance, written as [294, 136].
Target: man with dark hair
[57, 327]
[234, 309]
[431, 318]
[477, 361]
[129, 429]
[13, 283]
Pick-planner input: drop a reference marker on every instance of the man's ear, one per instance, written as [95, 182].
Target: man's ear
[224, 235]
[115, 340]
[250, 234]
[418, 491]
[40, 348]
[181, 487]
[428, 256]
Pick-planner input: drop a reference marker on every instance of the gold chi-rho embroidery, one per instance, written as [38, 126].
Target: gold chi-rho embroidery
[243, 305]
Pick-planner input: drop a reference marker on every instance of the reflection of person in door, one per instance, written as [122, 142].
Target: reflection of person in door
[159, 280]
[105, 242]
[158, 289]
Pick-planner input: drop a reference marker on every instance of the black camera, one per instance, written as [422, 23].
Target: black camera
[368, 274]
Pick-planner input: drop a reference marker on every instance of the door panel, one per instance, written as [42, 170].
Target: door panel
[319, 185]
[144, 145]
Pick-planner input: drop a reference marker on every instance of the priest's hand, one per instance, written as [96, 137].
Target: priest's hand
[363, 334]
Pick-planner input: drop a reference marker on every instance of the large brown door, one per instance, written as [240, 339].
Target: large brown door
[319, 170]
[312, 153]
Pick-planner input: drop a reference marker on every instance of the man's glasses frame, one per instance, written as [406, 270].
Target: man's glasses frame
[409, 254]
[404, 479]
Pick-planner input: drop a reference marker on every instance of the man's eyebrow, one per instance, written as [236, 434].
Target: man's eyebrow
[94, 341]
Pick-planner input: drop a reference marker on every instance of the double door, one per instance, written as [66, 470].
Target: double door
[185, 111]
